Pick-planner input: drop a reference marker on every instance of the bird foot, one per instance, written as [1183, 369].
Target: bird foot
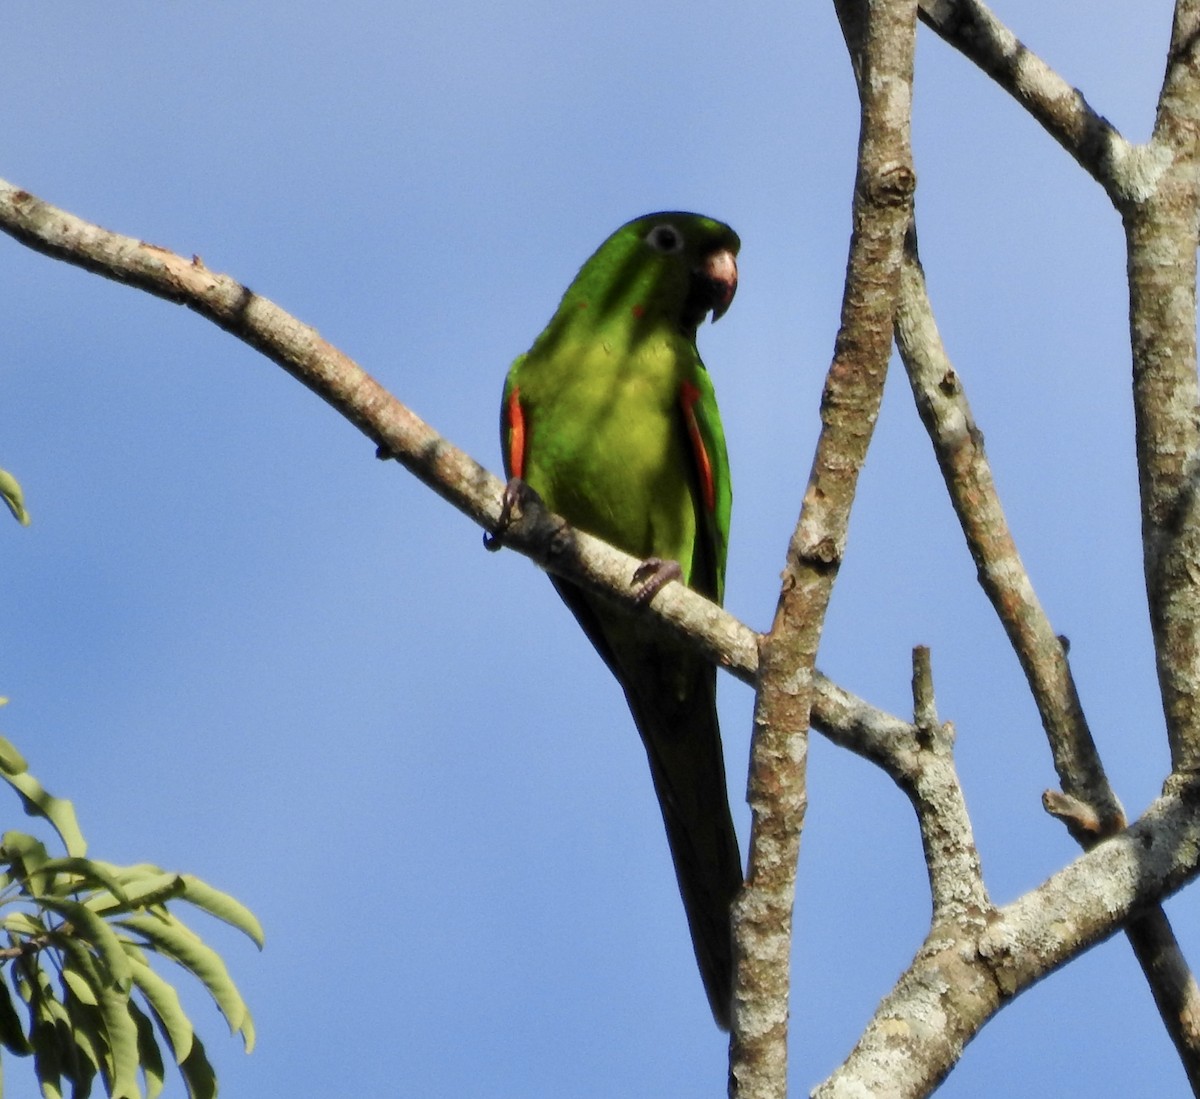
[654, 574]
[510, 506]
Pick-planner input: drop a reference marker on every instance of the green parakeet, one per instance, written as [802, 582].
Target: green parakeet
[611, 418]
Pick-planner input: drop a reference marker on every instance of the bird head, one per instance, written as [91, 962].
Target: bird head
[670, 267]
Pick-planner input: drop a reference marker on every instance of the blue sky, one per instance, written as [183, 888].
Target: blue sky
[247, 649]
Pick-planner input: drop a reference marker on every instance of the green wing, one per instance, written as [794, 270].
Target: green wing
[714, 491]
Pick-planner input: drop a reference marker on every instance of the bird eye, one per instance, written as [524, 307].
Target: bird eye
[666, 239]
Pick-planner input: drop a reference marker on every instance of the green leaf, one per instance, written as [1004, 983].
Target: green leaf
[58, 811]
[83, 873]
[149, 1055]
[224, 907]
[171, 938]
[12, 1033]
[11, 760]
[79, 986]
[46, 1064]
[49, 1022]
[26, 855]
[23, 925]
[122, 1043]
[83, 1048]
[10, 492]
[88, 1033]
[198, 1074]
[141, 892]
[90, 927]
[163, 1001]
[133, 952]
[102, 1027]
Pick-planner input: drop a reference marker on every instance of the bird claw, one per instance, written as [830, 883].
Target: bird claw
[654, 574]
[510, 505]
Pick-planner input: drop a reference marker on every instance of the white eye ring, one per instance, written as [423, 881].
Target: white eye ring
[665, 238]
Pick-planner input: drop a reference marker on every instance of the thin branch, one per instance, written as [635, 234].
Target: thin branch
[924, 703]
[955, 875]
[1172, 985]
[919, 758]
[1161, 242]
[777, 791]
[1087, 804]
[968, 969]
[958, 447]
[395, 429]
[975, 31]
[1155, 188]
[1175, 119]
[399, 433]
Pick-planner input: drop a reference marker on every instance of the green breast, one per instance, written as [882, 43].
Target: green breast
[606, 447]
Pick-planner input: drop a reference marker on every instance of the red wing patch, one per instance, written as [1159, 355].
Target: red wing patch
[515, 416]
[688, 396]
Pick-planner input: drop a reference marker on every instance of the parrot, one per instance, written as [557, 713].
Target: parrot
[611, 419]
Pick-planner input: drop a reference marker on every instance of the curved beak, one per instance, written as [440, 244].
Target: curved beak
[718, 272]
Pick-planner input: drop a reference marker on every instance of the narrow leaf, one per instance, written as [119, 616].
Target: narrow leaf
[90, 927]
[58, 811]
[88, 1034]
[224, 907]
[45, 1059]
[122, 1044]
[83, 1049]
[169, 937]
[11, 760]
[163, 1001]
[83, 873]
[26, 854]
[78, 984]
[11, 494]
[198, 1074]
[149, 1055]
[12, 1033]
[140, 893]
[23, 925]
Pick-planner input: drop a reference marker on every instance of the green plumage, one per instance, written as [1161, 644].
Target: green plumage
[611, 418]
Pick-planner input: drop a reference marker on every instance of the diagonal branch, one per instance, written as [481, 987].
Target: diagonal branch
[1175, 121]
[968, 969]
[400, 434]
[1125, 171]
[1154, 186]
[1087, 805]
[394, 428]
[853, 389]
[958, 447]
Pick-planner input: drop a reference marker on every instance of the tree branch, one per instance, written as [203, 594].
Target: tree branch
[1087, 805]
[1155, 188]
[974, 30]
[919, 759]
[402, 435]
[958, 447]
[970, 967]
[853, 389]
[1161, 240]
[395, 429]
